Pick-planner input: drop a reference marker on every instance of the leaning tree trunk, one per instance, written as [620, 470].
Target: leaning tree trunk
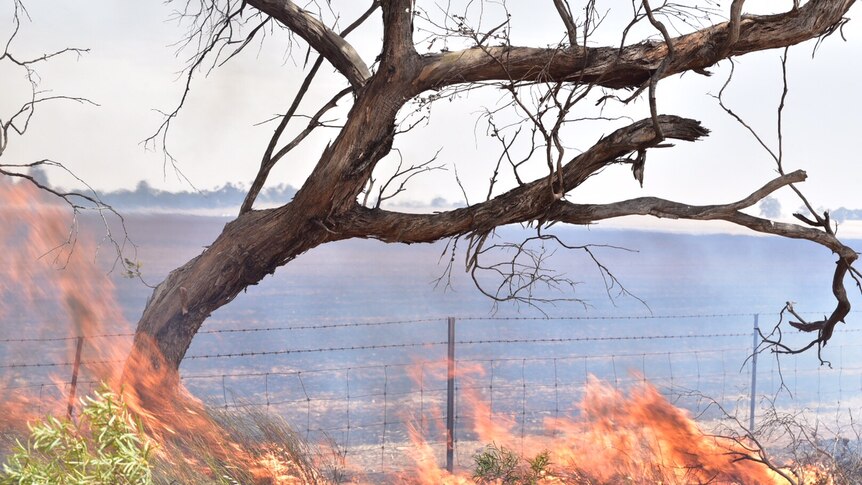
[248, 249]
[258, 242]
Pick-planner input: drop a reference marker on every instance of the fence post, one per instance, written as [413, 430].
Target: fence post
[755, 342]
[450, 399]
[74, 384]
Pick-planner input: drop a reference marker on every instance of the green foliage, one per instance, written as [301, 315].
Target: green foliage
[107, 446]
[498, 464]
[539, 464]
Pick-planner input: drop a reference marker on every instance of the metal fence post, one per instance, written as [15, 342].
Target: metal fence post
[74, 384]
[755, 342]
[450, 399]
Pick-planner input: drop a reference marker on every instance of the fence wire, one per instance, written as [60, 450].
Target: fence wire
[526, 381]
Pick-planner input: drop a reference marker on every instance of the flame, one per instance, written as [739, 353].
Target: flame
[427, 471]
[637, 437]
[812, 474]
[617, 437]
[51, 279]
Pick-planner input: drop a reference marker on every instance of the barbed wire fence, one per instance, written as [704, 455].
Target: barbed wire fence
[523, 373]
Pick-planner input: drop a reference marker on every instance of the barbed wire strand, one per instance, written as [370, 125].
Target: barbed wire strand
[326, 326]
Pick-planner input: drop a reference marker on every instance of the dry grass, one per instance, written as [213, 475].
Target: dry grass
[268, 451]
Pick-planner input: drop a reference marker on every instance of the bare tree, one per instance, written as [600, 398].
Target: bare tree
[547, 90]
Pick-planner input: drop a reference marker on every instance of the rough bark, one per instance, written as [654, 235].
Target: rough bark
[248, 249]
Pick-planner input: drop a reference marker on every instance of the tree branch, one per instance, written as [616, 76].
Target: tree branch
[652, 206]
[632, 66]
[479, 219]
[530, 201]
[399, 227]
[269, 159]
[398, 31]
[565, 12]
[321, 38]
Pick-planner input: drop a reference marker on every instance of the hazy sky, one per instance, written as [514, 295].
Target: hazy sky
[132, 70]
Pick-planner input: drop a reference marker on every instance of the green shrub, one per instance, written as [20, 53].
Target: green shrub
[497, 464]
[107, 446]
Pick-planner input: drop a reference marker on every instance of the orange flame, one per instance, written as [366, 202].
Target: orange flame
[637, 437]
[51, 281]
[617, 438]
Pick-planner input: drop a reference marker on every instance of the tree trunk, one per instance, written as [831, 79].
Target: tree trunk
[258, 242]
[248, 249]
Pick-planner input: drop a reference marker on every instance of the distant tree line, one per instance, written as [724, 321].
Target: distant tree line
[229, 195]
[771, 207]
[842, 214]
[145, 196]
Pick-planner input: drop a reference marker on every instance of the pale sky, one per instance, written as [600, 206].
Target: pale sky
[132, 70]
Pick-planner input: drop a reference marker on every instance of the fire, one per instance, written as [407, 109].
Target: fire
[51, 278]
[637, 437]
[427, 471]
[644, 435]
[617, 437]
[814, 475]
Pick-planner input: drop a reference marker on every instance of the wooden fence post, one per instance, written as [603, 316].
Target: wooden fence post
[74, 385]
[450, 399]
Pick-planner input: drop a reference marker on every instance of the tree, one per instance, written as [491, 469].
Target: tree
[545, 88]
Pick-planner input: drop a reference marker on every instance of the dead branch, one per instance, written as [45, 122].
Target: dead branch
[749, 443]
[846, 256]
[221, 32]
[403, 175]
[522, 273]
[390, 226]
